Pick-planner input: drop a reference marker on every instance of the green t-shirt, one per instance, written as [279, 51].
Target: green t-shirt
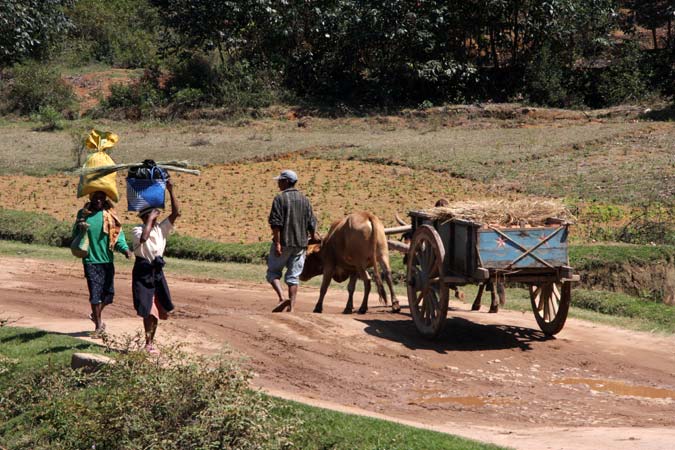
[99, 253]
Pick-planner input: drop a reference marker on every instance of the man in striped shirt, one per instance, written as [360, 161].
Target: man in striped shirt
[292, 222]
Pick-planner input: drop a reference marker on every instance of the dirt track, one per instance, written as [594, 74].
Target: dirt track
[491, 377]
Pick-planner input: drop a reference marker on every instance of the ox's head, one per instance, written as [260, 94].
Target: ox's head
[313, 264]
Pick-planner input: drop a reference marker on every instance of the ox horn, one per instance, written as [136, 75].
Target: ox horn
[401, 221]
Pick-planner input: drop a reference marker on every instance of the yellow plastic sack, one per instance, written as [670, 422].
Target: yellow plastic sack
[100, 142]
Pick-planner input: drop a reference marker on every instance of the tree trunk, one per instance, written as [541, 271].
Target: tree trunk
[656, 45]
[493, 47]
[670, 32]
[514, 49]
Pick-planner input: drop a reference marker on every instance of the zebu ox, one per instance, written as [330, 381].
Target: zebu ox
[353, 244]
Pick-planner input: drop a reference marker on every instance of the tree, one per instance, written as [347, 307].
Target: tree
[29, 27]
[652, 15]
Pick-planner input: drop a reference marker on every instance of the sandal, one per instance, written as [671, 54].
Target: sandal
[97, 333]
[282, 306]
[151, 349]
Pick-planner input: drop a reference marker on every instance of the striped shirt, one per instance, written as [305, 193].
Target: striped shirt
[292, 214]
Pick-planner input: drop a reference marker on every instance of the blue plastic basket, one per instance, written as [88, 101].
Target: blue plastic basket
[145, 192]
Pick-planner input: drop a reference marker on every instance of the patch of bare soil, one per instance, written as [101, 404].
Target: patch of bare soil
[212, 203]
[494, 377]
[91, 87]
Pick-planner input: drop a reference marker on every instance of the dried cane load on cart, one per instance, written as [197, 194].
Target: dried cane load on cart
[503, 213]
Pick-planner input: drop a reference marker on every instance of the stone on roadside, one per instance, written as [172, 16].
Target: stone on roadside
[89, 362]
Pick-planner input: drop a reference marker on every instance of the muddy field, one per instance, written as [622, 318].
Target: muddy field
[493, 377]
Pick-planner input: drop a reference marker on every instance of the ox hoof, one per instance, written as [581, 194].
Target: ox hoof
[318, 310]
[347, 311]
[363, 310]
[475, 308]
[395, 307]
[494, 310]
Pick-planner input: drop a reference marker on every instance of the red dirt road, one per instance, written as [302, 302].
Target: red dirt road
[491, 377]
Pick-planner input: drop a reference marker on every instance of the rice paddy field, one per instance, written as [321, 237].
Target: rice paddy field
[386, 165]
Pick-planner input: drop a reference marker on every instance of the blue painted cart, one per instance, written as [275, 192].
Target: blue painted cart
[445, 254]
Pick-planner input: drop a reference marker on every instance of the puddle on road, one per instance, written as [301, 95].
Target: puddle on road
[619, 388]
[439, 399]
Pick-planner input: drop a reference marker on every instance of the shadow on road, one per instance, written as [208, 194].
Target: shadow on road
[458, 335]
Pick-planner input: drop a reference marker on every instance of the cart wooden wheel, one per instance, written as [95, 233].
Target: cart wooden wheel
[551, 303]
[427, 293]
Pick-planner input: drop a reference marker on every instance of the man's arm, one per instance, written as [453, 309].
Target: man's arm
[148, 226]
[276, 221]
[121, 245]
[312, 223]
[276, 237]
[175, 208]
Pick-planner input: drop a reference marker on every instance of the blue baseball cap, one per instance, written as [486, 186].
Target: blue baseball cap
[287, 175]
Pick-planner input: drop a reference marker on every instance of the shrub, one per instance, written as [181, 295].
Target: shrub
[34, 86]
[235, 83]
[179, 401]
[141, 96]
[188, 97]
[34, 228]
[49, 118]
[123, 33]
[625, 80]
[544, 79]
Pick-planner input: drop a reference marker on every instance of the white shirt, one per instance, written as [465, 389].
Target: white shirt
[156, 242]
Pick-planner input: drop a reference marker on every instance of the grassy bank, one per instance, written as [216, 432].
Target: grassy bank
[56, 407]
[39, 228]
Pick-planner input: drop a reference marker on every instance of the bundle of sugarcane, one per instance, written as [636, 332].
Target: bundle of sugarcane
[101, 171]
[527, 212]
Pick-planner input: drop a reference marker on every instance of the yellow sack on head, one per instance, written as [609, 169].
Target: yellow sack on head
[100, 141]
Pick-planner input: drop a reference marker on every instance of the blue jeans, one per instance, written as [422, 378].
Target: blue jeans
[292, 258]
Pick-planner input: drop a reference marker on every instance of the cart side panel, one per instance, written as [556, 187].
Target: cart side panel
[461, 248]
[499, 252]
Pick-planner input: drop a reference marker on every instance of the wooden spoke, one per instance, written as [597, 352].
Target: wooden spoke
[427, 293]
[550, 304]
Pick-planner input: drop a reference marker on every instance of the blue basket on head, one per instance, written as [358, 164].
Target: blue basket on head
[146, 192]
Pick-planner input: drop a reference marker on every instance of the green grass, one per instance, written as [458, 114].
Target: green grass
[23, 349]
[40, 228]
[609, 308]
[29, 351]
[588, 257]
[325, 429]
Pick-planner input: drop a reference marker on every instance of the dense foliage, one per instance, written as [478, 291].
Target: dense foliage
[370, 53]
[176, 402]
[29, 27]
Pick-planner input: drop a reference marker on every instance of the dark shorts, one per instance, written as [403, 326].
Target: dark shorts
[101, 282]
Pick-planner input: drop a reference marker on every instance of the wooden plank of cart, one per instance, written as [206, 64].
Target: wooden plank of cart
[444, 254]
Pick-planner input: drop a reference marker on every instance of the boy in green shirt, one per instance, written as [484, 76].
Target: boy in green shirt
[105, 234]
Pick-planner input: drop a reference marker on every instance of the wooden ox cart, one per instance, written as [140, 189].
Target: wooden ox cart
[444, 254]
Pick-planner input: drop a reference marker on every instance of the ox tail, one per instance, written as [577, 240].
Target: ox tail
[377, 229]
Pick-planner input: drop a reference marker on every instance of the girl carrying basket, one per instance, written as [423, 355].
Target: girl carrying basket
[152, 299]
